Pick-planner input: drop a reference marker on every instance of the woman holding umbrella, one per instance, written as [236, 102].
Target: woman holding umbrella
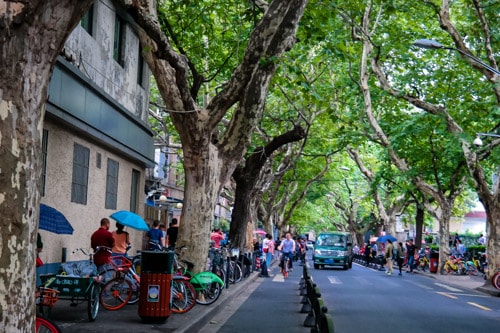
[122, 241]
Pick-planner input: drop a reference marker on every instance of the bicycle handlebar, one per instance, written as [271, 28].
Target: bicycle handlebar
[87, 251]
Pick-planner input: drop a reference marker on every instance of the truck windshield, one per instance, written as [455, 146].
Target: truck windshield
[331, 240]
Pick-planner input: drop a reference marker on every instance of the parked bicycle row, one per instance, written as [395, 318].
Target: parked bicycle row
[460, 265]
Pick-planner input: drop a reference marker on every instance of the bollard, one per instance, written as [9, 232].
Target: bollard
[325, 322]
[306, 308]
[263, 269]
[303, 291]
[310, 321]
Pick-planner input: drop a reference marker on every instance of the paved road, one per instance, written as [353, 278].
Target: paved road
[367, 300]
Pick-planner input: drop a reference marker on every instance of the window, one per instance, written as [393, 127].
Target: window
[79, 184]
[111, 184]
[45, 140]
[134, 190]
[119, 42]
[87, 21]
[98, 160]
[140, 70]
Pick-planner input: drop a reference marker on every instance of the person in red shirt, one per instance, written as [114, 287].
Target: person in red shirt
[217, 236]
[102, 237]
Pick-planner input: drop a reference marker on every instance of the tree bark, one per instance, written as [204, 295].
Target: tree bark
[445, 198]
[32, 35]
[246, 177]
[209, 163]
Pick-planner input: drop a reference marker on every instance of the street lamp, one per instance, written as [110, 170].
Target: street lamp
[478, 142]
[432, 44]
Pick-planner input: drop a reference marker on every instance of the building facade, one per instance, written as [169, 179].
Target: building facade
[97, 144]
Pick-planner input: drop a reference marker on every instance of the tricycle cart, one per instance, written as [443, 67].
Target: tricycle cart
[73, 288]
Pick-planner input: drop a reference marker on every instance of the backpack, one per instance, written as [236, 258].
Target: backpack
[394, 253]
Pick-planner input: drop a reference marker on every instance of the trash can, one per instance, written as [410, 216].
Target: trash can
[156, 277]
[433, 261]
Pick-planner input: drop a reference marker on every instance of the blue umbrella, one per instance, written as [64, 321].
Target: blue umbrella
[384, 238]
[130, 219]
[54, 221]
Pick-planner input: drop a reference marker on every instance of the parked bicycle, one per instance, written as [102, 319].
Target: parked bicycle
[453, 265]
[182, 293]
[45, 298]
[422, 263]
[223, 263]
[45, 325]
[77, 283]
[469, 268]
[207, 285]
[495, 279]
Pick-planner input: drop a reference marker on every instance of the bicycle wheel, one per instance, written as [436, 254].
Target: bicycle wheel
[495, 280]
[115, 294]
[220, 272]
[183, 296]
[93, 301]
[208, 293]
[45, 325]
[234, 272]
[472, 270]
[134, 298]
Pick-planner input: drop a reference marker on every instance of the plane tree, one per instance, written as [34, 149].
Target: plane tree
[217, 132]
[32, 35]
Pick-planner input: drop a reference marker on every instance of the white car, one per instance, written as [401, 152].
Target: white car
[310, 245]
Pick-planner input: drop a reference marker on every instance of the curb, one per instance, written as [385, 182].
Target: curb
[487, 289]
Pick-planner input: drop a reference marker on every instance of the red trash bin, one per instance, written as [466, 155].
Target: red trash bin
[156, 277]
[433, 262]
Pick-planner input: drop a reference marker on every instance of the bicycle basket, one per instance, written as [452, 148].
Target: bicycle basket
[121, 263]
[48, 297]
[235, 252]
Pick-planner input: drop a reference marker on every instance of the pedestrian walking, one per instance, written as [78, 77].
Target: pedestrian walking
[102, 242]
[368, 252]
[122, 241]
[411, 251]
[400, 257]
[155, 235]
[172, 232]
[389, 256]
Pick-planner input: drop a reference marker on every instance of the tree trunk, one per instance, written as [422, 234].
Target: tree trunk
[31, 36]
[493, 216]
[419, 223]
[444, 233]
[210, 159]
[246, 178]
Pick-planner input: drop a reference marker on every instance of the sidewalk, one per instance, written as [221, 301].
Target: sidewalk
[74, 319]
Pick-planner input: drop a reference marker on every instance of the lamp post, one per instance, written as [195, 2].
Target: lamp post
[432, 44]
[478, 142]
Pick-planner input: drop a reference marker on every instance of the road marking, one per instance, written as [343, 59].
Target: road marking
[362, 280]
[278, 278]
[448, 287]
[334, 280]
[421, 285]
[446, 294]
[479, 306]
